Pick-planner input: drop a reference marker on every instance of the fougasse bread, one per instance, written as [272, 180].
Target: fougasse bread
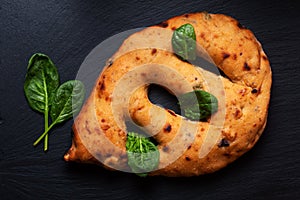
[187, 148]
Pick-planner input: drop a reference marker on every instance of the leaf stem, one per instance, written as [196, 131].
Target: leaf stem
[44, 134]
[46, 116]
[46, 128]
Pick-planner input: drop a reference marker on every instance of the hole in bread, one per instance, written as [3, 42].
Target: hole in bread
[159, 96]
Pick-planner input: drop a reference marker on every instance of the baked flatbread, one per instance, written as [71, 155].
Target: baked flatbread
[100, 130]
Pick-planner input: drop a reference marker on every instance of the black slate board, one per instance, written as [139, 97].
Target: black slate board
[68, 30]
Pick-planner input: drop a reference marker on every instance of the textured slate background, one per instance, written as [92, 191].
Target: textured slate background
[68, 30]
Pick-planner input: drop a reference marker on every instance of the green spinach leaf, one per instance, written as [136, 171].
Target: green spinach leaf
[184, 42]
[198, 105]
[143, 155]
[67, 101]
[41, 82]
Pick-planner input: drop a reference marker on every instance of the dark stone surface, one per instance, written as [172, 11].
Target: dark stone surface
[68, 30]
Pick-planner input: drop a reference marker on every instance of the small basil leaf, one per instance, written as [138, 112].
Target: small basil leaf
[143, 155]
[68, 100]
[41, 82]
[184, 42]
[198, 105]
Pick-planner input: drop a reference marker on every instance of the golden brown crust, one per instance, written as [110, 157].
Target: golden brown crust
[235, 51]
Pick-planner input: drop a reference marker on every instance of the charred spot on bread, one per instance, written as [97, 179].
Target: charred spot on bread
[168, 128]
[234, 56]
[225, 55]
[172, 112]
[165, 149]
[238, 113]
[163, 24]
[264, 57]
[246, 67]
[254, 91]
[187, 158]
[224, 143]
[153, 51]
[101, 85]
